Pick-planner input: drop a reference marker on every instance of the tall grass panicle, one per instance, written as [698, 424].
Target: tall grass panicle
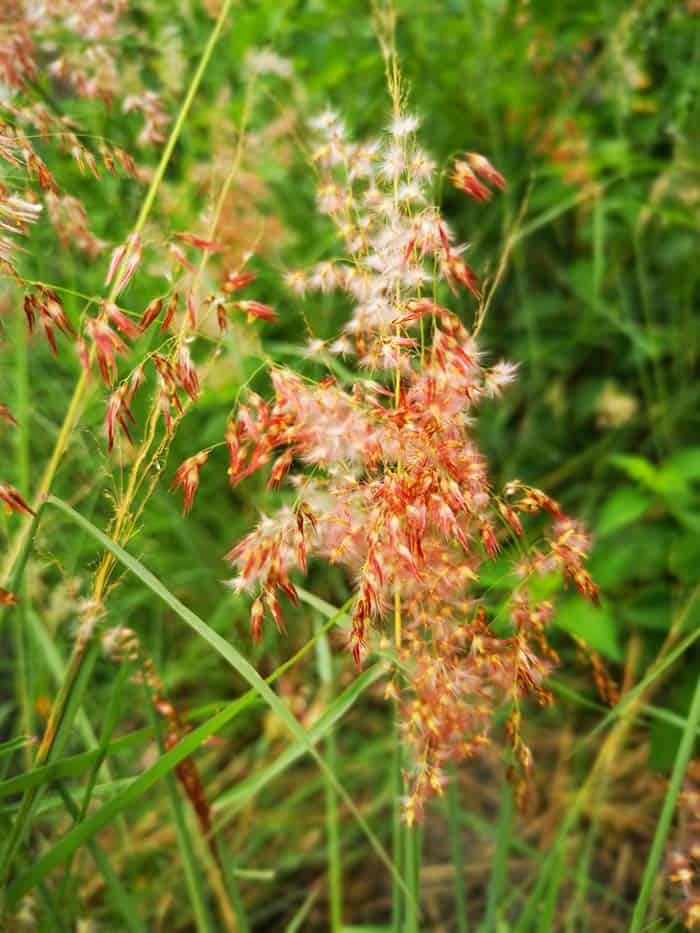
[395, 488]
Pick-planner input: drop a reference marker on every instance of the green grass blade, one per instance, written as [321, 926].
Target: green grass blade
[335, 872]
[115, 890]
[73, 767]
[499, 869]
[685, 750]
[193, 875]
[232, 656]
[454, 825]
[413, 851]
[246, 790]
[69, 699]
[397, 826]
[84, 831]
[14, 745]
[295, 924]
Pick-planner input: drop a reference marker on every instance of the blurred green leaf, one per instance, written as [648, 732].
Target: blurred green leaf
[595, 625]
[623, 507]
[684, 559]
[638, 468]
[685, 464]
[649, 608]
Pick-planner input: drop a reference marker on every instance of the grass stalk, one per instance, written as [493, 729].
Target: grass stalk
[651, 872]
[397, 826]
[74, 406]
[413, 851]
[239, 664]
[335, 871]
[115, 890]
[19, 547]
[193, 876]
[454, 826]
[499, 869]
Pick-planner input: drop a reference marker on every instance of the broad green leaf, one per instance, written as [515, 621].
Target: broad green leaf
[622, 508]
[684, 559]
[685, 464]
[638, 468]
[595, 625]
[649, 607]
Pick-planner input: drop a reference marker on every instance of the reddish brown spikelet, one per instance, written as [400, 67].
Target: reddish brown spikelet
[256, 309]
[280, 468]
[6, 415]
[119, 413]
[180, 257]
[208, 246]
[221, 318]
[419, 308]
[30, 311]
[458, 270]
[107, 159]
[273, 604]
[465, 179]
[13, 500]
[47, 306]
[511, 517]
[187, 476]
[186, 372]
[152, 311]
[7, 598]
[488, 539]
[124, 262]
[237, 452]
[191, 305]
[135, 381]
[121, 321]
[532, 499]
[483, 167]
[83, 355]
[360, 618]
[126, 161]
[606, 686]
[107, 345]
[170, 311]
[236, 280]
[257, 615]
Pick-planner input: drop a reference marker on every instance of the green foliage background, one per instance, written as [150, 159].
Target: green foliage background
[591, 112]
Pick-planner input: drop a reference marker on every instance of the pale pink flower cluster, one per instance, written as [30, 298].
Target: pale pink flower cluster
[398, 491]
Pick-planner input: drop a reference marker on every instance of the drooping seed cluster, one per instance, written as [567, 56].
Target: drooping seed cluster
[66, 47]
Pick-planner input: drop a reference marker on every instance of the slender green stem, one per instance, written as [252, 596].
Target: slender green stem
[75, 404]
[413, 848]
[454, 825]
[110, 723]
[397, 827]
[499, 869]
[243, 667]
[193, 875]
[651, 872]
[64, 709]
[115, 889]
[17, 554]
[335, 871]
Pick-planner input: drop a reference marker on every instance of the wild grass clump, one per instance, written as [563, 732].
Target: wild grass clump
[297, 322]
